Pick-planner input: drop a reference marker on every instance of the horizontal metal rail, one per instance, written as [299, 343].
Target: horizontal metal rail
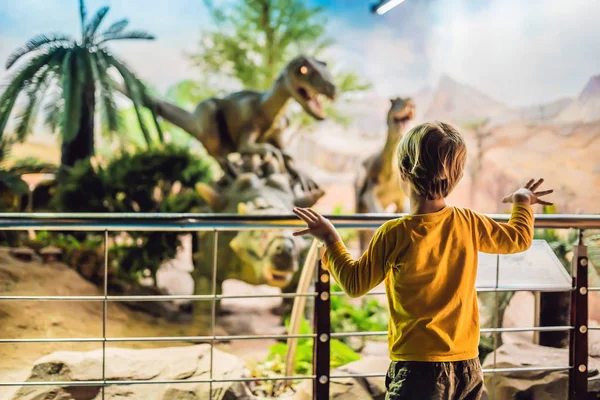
[253, 379]
[485, 371]
[208, 297]
[200, 297]
[258, 337]
[205, 338]
[490, 289]
[482, 330]
[156, 382]
[115, 222]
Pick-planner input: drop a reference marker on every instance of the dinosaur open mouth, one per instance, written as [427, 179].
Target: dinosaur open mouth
[313, 101]
[403, 117]
[277, 278]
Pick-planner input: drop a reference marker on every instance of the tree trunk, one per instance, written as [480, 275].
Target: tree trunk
[82, 146]
[554, 311]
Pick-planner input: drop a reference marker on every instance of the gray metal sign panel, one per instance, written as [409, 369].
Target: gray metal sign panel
[537, 269]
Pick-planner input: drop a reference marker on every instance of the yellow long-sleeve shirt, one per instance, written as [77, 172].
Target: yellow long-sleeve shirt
[429, 265]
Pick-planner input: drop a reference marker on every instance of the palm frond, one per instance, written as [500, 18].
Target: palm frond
[53, 111]
[138, 113]
[17, 83]
[134, 88]
[34, 44]
[71, 96]
[82, 14]
[116, 27]
[161, 135]
[92, 26]
[108, 106]
[34, 95]
[127, 35]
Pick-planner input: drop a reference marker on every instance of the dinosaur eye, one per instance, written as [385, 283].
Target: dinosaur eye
[303, 70]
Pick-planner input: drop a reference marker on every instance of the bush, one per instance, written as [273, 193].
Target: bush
[159, 180]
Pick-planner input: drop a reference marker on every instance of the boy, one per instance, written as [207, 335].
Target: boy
[428, 261]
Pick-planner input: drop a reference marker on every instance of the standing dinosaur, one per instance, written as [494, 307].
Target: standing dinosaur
[250, 121]
[378, 185]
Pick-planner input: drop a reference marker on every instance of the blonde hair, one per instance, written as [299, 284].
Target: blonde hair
[432, 157]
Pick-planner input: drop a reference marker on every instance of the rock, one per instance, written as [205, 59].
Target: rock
[550, 385]
[22, 253]
[238, 288]
[50, 254]
[373, 348]
[352, 388]
[174, 276]
[250, 316]
[341, 389]
[181, 313]
[375, 386]
[173, 363]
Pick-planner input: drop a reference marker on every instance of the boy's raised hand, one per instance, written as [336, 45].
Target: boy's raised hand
[528, 194]
[317, 225]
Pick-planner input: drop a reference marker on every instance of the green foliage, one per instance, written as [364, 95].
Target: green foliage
[78, 70]
[369, 316]
[188, 93]
[12, 187]
[158, 180]
[253, 41]
[340, 353]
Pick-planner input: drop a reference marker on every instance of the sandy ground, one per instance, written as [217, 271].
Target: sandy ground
[67, 319]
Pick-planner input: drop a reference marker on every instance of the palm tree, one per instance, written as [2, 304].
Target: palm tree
[78, 71]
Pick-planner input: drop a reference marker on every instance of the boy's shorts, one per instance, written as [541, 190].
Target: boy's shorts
[457, 380]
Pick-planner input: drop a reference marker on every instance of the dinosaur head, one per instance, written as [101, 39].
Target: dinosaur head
[253, 186]
[402, 111]
[307, 79]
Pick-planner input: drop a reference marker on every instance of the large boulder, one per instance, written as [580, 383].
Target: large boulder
[547, 385]
[171, 363]
[250, 316]
[352, 388]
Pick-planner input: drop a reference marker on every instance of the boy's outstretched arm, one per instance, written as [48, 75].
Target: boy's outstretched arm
[516, 235]
[355, 277]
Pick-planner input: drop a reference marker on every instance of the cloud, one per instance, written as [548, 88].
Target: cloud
[518, 52]
[392, 64]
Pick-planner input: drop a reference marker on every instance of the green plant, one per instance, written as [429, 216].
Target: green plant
[12, 187]
[80, 71]
[340, 353]
[159, 180]
[369, 316]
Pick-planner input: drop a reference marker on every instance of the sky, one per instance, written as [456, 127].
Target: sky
[518, 52]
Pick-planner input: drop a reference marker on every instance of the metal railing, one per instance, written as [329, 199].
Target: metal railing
[322, 335]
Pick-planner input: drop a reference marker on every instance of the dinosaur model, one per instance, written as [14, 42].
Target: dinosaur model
[378, 184]
[253, 185]
[252, 121]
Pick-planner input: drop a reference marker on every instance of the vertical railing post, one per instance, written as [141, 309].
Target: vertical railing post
[213, 311]
[578, 341]
[104, 312]
[322, 322]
